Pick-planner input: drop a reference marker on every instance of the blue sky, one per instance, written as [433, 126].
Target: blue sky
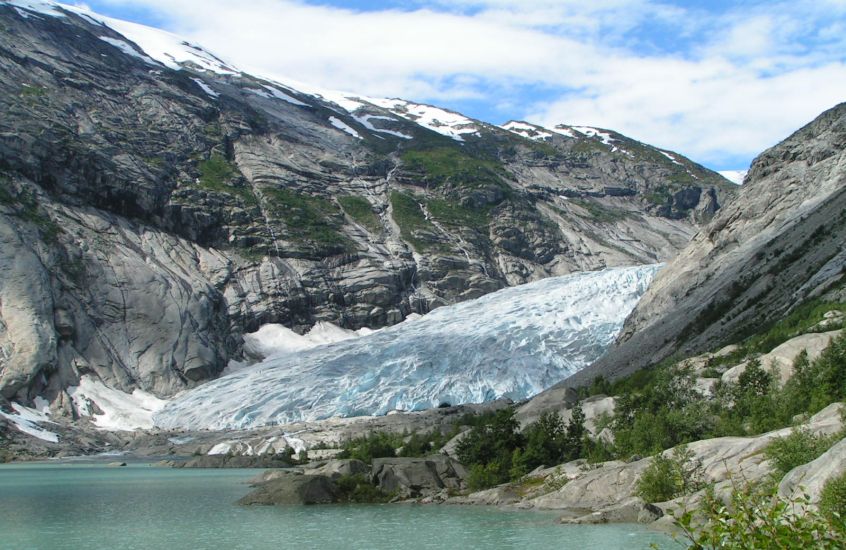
[718, 81]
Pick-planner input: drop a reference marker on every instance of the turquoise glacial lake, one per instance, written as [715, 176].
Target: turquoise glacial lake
[91, 507]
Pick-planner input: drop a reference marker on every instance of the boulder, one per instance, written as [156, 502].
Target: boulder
[414, 477]
[809, 479]
[633, 510]
[293, 489]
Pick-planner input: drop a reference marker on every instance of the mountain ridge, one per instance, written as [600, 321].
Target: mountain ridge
[153, 214]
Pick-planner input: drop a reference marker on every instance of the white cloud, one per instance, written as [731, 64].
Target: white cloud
[709, 85]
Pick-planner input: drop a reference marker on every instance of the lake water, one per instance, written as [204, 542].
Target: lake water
[93, 507]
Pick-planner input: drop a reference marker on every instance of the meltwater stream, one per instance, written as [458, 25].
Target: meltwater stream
[513, 343]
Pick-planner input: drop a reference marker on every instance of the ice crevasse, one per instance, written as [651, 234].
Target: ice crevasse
[512, 343]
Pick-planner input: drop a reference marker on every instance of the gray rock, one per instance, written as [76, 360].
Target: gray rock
[336, 468]
[770, 249]
[809, 479]
[293, 489]
[414, 477]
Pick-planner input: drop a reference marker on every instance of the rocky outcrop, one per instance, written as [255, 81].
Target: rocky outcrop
[607, 492]
[397, 478]
[415, 477]
[808, 480]
[777, 245]
[293, 488]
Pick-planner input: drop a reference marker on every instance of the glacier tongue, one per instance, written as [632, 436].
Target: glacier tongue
[512, 343]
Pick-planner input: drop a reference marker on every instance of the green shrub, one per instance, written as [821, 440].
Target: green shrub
[357, 489]
[833, 498]
[800, 447]
[485, 476]
[360, 209]
[670, 477]
[368, 447]
[757, 519]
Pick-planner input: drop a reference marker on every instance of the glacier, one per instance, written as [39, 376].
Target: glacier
[513, 343]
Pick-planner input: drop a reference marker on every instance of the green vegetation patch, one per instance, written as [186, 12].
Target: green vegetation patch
[415, 229]
[450, 212]
[601, 213]
[27, 208]
[217, 174]
[360, 209]
[309, 219]
[757, 518]
[800, 447]
[451, 165]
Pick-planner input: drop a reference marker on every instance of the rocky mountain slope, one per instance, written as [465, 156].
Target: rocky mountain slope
[157, 203]
[780, 243]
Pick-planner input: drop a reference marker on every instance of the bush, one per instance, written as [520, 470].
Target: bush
[484, 476]
[800, 447]
[355, 488]
[670, 477]
[375, 445]
[833, 498]
[756, 519]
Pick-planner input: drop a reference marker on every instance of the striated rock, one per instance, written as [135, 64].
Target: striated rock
[776, 245]
[336, 468]
[809, 479]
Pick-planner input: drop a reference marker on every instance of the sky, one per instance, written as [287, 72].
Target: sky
[718, 81]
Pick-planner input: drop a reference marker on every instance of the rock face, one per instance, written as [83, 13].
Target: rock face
[413, 477]
[397, 478]
[778, 244]
[152, 211]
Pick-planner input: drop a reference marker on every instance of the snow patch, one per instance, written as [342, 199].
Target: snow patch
[272, 339]
[365, 121]
[120, 411]
[126, 48]
[513, 343]
[27, 420]
[671, 157]
[341, 125]
[271, 92]
[205, 87]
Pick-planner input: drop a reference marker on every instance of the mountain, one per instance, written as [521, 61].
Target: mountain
[157, 203]
[777, 245]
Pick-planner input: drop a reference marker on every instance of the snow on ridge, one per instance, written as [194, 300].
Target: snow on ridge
[35, 6]
[605, 137]
[126, 48]
[512, 343]
[524, 129]
[344, 127]
[447, 123]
